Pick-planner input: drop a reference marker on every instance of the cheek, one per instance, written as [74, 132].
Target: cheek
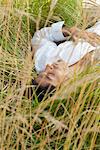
[59, 75]
[62, 73]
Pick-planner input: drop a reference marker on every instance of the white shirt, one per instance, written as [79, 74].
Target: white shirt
[47, 52]
[91, 2]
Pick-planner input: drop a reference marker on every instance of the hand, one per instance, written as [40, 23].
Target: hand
[72, 32]
[92, 38]
[75, 33]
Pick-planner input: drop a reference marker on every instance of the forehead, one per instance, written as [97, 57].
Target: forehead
[59, 63]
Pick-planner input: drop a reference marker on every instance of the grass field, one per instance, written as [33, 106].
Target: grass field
[69, 119]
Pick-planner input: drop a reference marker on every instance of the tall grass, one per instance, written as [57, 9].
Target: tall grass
[67, 120]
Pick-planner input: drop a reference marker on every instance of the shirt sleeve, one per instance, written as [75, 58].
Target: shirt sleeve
[53, 34]
[95, 28]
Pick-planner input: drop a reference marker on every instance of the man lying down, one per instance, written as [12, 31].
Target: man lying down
[55, 62]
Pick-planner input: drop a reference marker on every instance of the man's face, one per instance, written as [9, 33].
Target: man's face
[53, 75]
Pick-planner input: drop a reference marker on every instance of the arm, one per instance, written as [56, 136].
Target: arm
[91, 37]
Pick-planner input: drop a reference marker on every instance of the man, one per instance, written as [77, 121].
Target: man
[56, 63]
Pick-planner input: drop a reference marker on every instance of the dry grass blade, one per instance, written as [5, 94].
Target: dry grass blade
[52, 7]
